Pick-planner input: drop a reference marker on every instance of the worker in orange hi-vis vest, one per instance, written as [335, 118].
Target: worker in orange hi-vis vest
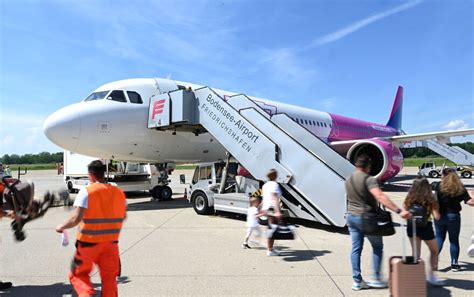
[100, 210]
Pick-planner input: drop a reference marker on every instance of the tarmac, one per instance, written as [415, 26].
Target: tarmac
[168, 250]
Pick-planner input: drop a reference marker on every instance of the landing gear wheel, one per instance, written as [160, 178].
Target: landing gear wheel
[466, 174]
[156, 193]
[166, 193]
[434, 174]
[201, 204]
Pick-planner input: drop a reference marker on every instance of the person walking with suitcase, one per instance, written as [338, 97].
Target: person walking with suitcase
[422, 204]
[450, 192]
[363, 195]
[100, 211]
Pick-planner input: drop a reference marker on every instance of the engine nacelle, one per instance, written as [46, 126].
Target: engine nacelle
[387, 160]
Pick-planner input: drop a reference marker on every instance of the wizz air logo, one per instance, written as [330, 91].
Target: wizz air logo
[158, 107]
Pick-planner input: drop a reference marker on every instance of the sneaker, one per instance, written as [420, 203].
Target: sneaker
[455, 267]
[246, 246]
[5, 285]
[272, 253]
[378, 284]
[470, 251]
[357, 286]
[434, 281]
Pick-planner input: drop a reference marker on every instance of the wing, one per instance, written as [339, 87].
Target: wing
[443, 135]
[398, 139]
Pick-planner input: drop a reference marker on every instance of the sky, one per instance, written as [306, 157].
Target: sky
[344, 57]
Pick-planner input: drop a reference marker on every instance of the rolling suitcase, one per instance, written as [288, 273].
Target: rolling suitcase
[407, 274]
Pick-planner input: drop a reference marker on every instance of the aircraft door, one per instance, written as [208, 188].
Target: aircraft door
[165, 85]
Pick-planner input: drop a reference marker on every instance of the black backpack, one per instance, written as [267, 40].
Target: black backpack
[420, 215]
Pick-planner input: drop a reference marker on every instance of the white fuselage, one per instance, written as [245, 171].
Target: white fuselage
[118, 130]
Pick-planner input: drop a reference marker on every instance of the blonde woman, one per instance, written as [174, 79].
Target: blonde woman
[450, 193]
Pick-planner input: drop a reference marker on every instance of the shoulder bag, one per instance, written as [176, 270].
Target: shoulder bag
[377, 222]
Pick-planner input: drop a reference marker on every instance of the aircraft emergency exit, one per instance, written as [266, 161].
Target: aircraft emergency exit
[111, 123]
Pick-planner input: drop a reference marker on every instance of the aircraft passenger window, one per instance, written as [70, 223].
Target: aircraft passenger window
[96, 96]
[314, 123]
[134, 97]
[117, 96]
[325, 125]
[306, 121]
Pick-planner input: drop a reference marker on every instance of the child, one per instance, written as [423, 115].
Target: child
[420, 195]
[252, 221]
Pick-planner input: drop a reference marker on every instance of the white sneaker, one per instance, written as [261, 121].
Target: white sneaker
[435, 281]
[470, 251]
[357, 286]
[278, 252]
[378, 284]
[272, 253]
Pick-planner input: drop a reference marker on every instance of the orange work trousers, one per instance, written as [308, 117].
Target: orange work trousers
[106, 256]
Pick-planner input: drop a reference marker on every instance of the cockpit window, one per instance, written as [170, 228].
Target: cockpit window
[134, 97]
[97, 96]
[117, 96]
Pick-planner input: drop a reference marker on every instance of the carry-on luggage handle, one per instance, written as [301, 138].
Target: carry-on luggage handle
[415, 254]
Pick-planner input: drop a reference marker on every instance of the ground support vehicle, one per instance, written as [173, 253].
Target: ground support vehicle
[429, 169]
[126, 175]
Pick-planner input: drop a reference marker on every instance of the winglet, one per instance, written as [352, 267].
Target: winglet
[395, 120]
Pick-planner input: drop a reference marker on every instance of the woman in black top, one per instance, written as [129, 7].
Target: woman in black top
[450, 193]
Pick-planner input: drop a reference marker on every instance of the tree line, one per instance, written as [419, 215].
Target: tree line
[46, 157]
[41, 158]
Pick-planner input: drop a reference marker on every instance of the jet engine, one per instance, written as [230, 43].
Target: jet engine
[387, 160]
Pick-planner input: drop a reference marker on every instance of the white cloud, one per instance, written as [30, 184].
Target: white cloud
[456, 125]
[284, 65]
[341, 33]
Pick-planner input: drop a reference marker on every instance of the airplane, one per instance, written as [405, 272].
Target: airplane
[111, 123]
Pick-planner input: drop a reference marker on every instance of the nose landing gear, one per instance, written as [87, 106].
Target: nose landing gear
[162, 191]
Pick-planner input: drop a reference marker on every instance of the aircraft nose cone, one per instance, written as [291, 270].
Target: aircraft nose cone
[63, 127]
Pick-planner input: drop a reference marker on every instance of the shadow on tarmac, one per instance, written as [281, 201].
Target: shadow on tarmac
[300, 255]
[154, 205]
[317, 225]
[57, 289]
[464, 284]
[403, 177]
[465, 266]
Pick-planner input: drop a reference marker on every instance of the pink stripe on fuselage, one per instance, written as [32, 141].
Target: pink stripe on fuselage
[344, 128]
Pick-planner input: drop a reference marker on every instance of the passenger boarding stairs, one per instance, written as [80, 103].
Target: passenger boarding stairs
[455, 154]
[308, 169]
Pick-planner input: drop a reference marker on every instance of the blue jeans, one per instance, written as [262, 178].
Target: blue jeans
[357, 236]
[450, 223]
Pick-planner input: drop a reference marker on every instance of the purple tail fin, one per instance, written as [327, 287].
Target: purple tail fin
[395, 120]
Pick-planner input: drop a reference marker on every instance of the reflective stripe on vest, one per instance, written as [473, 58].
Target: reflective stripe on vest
[102, 220]
[98, 232]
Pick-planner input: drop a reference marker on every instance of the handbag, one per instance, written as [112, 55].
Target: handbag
[281, 231]
[378, 222]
